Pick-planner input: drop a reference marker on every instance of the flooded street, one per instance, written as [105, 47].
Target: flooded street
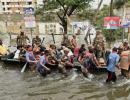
[30, 86]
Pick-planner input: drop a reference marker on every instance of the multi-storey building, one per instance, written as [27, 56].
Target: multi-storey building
[17, 6]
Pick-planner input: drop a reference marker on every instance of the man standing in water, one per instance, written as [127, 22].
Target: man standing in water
[22, 39]
[111, 64]
[99, 44]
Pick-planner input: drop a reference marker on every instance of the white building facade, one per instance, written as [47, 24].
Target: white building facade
[17, 6]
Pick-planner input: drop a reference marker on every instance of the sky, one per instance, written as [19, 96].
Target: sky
[95, 4]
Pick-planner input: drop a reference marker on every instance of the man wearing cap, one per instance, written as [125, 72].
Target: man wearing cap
[22, 39]
[99, 44]
[36, 40]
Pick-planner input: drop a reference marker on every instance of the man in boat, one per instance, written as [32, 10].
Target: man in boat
[67, 59]
[41, 67]
[3, 49]
[30, 58]
[36, 41]
[65, 41]
[113, 61]
[99, 45]
[73, 42]
[22, 39]
[125, 62]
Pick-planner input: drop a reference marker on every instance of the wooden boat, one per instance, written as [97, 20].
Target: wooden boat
[9, 59]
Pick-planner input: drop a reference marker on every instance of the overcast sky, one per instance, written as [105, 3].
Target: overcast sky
[95, 4]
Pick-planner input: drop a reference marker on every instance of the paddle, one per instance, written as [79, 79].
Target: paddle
[24, 67]
[42, 40]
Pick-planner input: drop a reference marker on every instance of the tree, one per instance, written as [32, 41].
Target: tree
[120, 3]
[98, 9]
[64, 9]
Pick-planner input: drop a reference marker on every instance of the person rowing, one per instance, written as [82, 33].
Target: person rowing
[30, 58]
[41, 67]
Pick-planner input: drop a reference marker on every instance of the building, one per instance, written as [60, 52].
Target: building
[17, 6]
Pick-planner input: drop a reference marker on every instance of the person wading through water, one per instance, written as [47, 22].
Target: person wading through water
[125, 62]
[111, 64]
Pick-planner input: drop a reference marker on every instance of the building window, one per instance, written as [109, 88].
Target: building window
[18, 3]
[3, 3]
[8, 8]
[3, 9]
[8, 3]
[29, 3]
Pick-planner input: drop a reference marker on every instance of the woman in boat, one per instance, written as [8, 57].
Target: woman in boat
[30, 58]
[82, 49]
[91, 62]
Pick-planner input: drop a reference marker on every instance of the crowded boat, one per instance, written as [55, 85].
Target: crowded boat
[86, 59]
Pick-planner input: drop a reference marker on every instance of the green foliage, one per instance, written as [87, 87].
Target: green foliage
[119, 3]
[110, 35]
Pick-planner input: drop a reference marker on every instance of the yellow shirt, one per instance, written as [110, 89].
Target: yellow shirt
[3, 50]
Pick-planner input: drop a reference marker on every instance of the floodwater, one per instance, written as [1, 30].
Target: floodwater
[30, 86]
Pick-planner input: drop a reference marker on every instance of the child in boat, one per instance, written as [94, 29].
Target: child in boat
[41, 67]
[30, 58]
[112, 63]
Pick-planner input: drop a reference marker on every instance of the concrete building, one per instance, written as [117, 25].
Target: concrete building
[17, 6]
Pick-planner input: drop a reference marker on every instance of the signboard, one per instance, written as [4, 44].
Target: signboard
[29, 17]
[80, 27]
[28, 11]
[30, 22]
[126, 21]
[112, 22]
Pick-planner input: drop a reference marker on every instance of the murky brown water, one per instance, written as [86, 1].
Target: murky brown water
[29, 86]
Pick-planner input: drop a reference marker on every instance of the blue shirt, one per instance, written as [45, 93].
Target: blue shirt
[112, 61]
[41, 61]
[29, 57]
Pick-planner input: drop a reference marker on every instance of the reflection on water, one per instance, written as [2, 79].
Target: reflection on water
[29, 86]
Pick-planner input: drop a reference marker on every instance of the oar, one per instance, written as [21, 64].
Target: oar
[42, 40]
[24, 67]
[53, 38]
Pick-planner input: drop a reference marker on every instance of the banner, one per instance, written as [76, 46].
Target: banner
[112, 22]
[126, 21]
[80, 27]
[30, 22]
[28, 11]
[29, 17]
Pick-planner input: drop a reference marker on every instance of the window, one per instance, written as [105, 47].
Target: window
[8, 8]
[18, 3]
[3, 3]
[3, 9]
[29, 3]
[8, 3]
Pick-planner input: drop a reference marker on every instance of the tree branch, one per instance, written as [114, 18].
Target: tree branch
[61, 4]
[72, 9]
